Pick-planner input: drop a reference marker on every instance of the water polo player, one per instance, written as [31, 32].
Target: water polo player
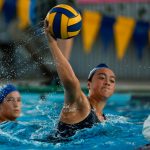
[80, 111]
[10, 103]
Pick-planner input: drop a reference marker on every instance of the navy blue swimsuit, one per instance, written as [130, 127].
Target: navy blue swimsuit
[66, 130]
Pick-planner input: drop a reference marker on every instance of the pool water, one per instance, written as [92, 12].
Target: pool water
[40, 113]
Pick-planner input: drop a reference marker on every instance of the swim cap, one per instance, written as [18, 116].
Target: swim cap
[100, 66]
[5, 90]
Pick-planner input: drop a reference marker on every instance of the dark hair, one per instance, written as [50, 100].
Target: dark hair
[92, 72]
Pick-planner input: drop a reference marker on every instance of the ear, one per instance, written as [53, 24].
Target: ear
[88, 85]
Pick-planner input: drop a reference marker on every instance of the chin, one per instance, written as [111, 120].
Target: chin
[16, 115]
[106, 95]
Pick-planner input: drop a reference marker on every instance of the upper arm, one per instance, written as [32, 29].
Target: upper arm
[73, 92]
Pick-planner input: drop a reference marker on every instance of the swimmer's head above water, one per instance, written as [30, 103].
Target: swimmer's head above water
[10, 103]
[101, 81]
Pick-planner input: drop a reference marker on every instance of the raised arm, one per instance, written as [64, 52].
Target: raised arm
[64, 69]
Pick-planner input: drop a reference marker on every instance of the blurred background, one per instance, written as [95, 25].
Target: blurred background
[114, 32]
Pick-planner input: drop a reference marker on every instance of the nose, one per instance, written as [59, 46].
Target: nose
[107, 82]
[15, 103]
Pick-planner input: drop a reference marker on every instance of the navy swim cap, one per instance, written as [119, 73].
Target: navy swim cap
[5, 90]
[100, 66]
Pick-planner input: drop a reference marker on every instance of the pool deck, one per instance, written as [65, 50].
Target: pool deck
[139, 87]
[121, 86]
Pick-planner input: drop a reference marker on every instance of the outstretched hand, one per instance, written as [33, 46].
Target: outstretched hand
[50, 38]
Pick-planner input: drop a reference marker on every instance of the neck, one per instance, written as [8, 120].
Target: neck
[98, 105]
[2, 119]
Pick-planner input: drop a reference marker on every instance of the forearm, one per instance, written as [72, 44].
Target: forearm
[63, 67]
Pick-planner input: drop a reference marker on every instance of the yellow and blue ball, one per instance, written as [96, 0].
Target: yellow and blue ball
[65, 21]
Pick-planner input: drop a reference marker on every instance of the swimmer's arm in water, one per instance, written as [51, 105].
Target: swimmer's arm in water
[64, 69]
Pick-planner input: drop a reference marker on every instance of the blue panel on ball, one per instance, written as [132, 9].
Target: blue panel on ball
[63, 11]
[57, 25]
[75, 27]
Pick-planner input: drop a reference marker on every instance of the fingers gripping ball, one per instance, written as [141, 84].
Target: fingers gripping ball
[65, 22]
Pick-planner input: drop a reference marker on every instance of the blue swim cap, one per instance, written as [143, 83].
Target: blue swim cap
[5, 90]
[100, 66]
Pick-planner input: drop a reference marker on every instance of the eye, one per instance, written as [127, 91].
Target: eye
[19, 99]
[9, 99]
[112, 81]
[101, 77]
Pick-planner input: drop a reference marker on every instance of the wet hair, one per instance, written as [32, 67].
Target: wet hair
[5, 90]
[92, 72]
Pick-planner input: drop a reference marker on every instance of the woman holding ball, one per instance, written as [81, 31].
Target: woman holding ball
[80, 111]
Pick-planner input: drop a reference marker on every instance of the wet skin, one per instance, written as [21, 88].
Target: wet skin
[10, 108]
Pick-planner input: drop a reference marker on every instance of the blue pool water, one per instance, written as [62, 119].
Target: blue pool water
[40, 113]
